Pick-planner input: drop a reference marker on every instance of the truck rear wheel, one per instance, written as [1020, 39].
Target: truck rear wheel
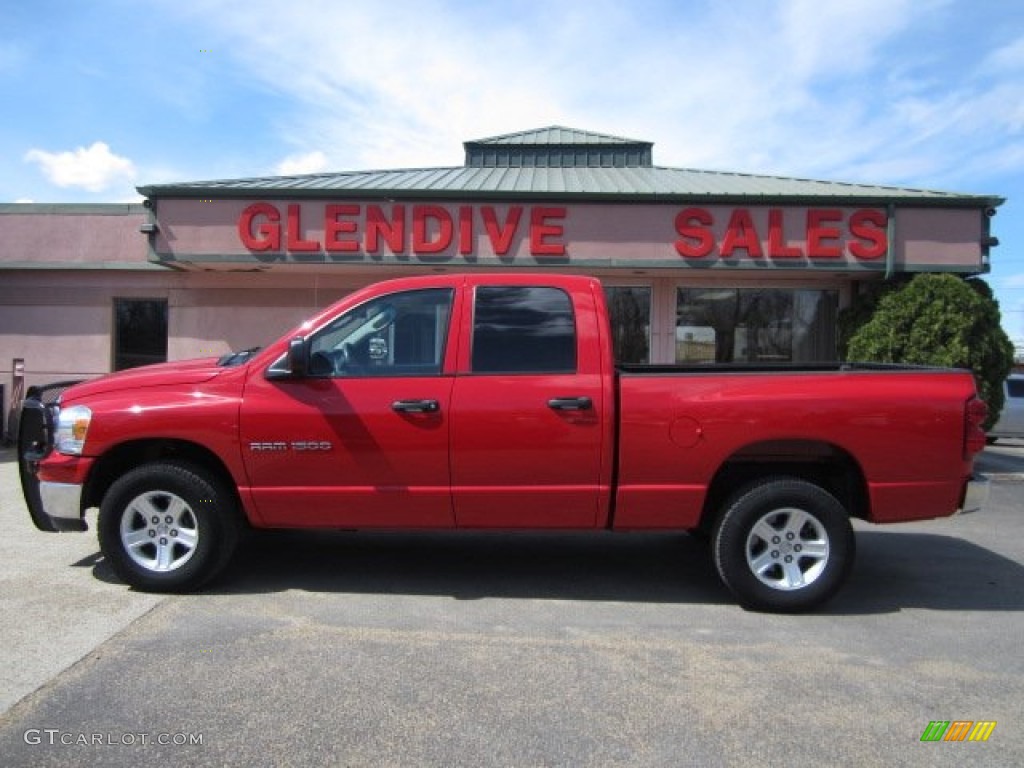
[783, 544]
[168, 527]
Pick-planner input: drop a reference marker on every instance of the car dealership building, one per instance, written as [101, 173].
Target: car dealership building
[699, 266]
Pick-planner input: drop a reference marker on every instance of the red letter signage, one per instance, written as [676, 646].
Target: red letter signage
[336, 225]
[378, 226]
[715, 235]
[819, 235]
[295, 241]
[427, 238]
[541, 230]
[693, 224]
[777, 246]
[868, 227]
[741, 234]
[268, 235]
[501, 234]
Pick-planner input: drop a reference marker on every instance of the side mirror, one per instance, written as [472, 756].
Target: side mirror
[298, 357]
[294, 364]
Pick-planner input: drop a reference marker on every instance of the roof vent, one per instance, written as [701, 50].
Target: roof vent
[558, 147]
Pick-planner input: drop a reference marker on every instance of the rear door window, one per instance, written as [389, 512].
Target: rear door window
[523, 329]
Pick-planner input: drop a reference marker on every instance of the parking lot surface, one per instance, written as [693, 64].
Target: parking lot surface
[368, 649]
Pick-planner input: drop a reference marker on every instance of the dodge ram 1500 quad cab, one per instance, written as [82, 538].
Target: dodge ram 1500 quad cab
[492, 401]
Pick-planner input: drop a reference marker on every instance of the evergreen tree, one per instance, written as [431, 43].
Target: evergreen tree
[940, 320]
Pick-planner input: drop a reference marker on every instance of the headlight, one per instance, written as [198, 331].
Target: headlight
[72, 425]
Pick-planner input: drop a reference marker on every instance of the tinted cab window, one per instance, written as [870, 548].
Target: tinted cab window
[402, 334]
[523, 329]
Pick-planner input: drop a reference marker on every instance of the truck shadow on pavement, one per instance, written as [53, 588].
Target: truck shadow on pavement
[1006, 456]
[935, 572]
[471, 566]
[893, 571]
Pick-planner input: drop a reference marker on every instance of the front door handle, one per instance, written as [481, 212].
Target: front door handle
[415, 406]
[570, 404]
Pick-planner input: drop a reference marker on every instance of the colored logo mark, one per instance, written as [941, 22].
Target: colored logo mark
[958, 730]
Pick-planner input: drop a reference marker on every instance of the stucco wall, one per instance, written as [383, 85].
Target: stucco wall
[48, 235]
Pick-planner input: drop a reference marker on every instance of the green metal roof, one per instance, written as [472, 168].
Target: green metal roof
[563, 163]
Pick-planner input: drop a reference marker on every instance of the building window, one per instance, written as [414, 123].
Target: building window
[755, 325]
[140, 332]
[523, 329]
[630, 311]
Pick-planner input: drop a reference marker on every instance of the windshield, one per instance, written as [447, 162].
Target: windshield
[231, 359]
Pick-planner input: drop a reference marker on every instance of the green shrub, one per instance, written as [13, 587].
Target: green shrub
[940, 320]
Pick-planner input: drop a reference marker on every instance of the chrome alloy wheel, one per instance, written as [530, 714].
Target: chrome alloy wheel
[159, 531]
[787, 549]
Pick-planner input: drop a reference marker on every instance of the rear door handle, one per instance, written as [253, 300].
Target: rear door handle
[415, 406]
[570, 404]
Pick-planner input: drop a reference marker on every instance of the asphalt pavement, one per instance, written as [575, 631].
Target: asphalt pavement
[372, 649]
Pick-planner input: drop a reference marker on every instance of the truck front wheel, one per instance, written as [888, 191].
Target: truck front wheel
[168, 527]
[783, 544]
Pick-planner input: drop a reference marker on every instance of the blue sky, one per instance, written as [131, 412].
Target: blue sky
[102, 96]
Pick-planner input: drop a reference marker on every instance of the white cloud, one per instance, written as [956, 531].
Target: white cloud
[1009, 58]
[820, 39]
[797, 88]
[855, 90]
[294, 165]
[95, 168]
[404, 83]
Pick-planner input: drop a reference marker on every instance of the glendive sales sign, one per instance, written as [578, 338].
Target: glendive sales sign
[546, 232]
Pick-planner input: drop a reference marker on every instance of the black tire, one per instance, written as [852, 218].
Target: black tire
[783, 545]
[168, 527]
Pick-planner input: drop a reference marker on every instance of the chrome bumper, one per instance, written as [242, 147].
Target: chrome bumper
[52, 506]
[975, 494]
[62, 503]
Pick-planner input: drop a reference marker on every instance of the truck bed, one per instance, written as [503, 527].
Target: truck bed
[896, 430]
[637, 369]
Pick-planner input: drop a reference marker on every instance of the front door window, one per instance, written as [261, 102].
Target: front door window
[396, 335]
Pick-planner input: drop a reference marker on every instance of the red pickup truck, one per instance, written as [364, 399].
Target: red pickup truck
[492, 401]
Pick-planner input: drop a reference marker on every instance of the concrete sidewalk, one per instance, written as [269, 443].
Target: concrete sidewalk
[54, 614]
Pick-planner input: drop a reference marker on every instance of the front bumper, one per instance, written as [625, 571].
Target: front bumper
[53, 506]
[975, 494]
[62, 505]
